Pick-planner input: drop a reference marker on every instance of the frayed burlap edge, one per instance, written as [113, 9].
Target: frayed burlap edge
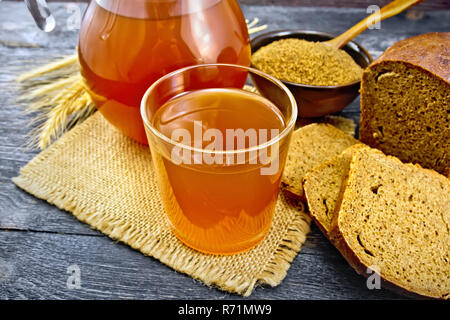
[272, 274]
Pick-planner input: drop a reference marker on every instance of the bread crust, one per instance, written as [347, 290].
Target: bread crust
[428, 51]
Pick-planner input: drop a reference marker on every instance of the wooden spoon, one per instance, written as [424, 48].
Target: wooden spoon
[389, 10]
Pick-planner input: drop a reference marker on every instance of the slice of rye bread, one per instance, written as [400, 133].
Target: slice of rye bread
[322, 187]
[405, 101]
[310, 146]
[396, 217]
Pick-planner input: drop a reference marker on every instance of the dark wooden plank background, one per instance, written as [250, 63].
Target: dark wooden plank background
[426, 5]
[38, 242]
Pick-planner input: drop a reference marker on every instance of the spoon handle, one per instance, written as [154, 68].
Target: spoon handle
[389, 10]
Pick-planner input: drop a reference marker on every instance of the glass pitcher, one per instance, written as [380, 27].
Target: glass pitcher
[126, 45]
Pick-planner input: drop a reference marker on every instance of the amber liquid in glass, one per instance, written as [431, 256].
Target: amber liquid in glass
[126, 45]
[218, 208]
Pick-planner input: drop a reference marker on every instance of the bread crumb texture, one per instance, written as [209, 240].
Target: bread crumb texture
[396, 216]
[323, 185]
[310, 146]
[405, 102]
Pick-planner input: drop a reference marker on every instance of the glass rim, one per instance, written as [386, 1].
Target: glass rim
[289, 124]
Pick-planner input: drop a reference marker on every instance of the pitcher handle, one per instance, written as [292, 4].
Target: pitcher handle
[41, 14]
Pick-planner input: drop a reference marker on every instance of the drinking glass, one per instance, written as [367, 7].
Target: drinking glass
[219, 198]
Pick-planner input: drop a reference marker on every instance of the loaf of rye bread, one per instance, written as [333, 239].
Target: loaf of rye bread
[405, 101]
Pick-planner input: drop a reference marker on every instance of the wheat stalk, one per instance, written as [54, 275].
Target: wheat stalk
[56, 93]
[54, 66]
[58, 98]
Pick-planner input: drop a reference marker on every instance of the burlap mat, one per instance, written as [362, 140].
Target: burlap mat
[107, 181]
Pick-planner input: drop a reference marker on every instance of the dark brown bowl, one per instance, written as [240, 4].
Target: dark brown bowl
[316, 101]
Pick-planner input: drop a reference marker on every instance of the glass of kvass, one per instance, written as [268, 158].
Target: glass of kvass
[219, 150]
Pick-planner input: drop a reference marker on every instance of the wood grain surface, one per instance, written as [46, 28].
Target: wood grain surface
[38, 242]
[426, 5]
